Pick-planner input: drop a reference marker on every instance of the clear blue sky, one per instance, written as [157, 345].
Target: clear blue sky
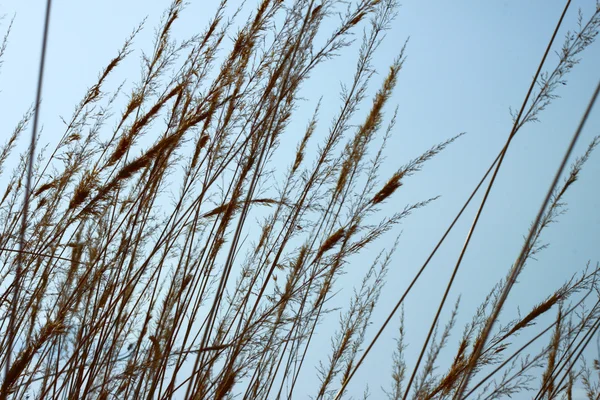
[468, 62]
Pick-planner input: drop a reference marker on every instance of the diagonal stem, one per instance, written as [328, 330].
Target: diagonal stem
[23, 229]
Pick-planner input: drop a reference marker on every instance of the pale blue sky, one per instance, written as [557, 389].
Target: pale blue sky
[468, 62]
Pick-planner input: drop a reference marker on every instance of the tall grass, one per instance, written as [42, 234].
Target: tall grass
[189, 269]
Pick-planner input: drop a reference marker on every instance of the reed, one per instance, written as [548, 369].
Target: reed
[187, 268]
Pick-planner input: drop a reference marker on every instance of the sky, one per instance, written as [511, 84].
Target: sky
[467, 63]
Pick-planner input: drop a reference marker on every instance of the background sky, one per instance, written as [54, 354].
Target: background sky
[468, 62]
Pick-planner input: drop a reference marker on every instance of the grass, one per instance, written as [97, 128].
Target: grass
[189, 269]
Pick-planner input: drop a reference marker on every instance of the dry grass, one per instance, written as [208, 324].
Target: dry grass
[124, 295]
